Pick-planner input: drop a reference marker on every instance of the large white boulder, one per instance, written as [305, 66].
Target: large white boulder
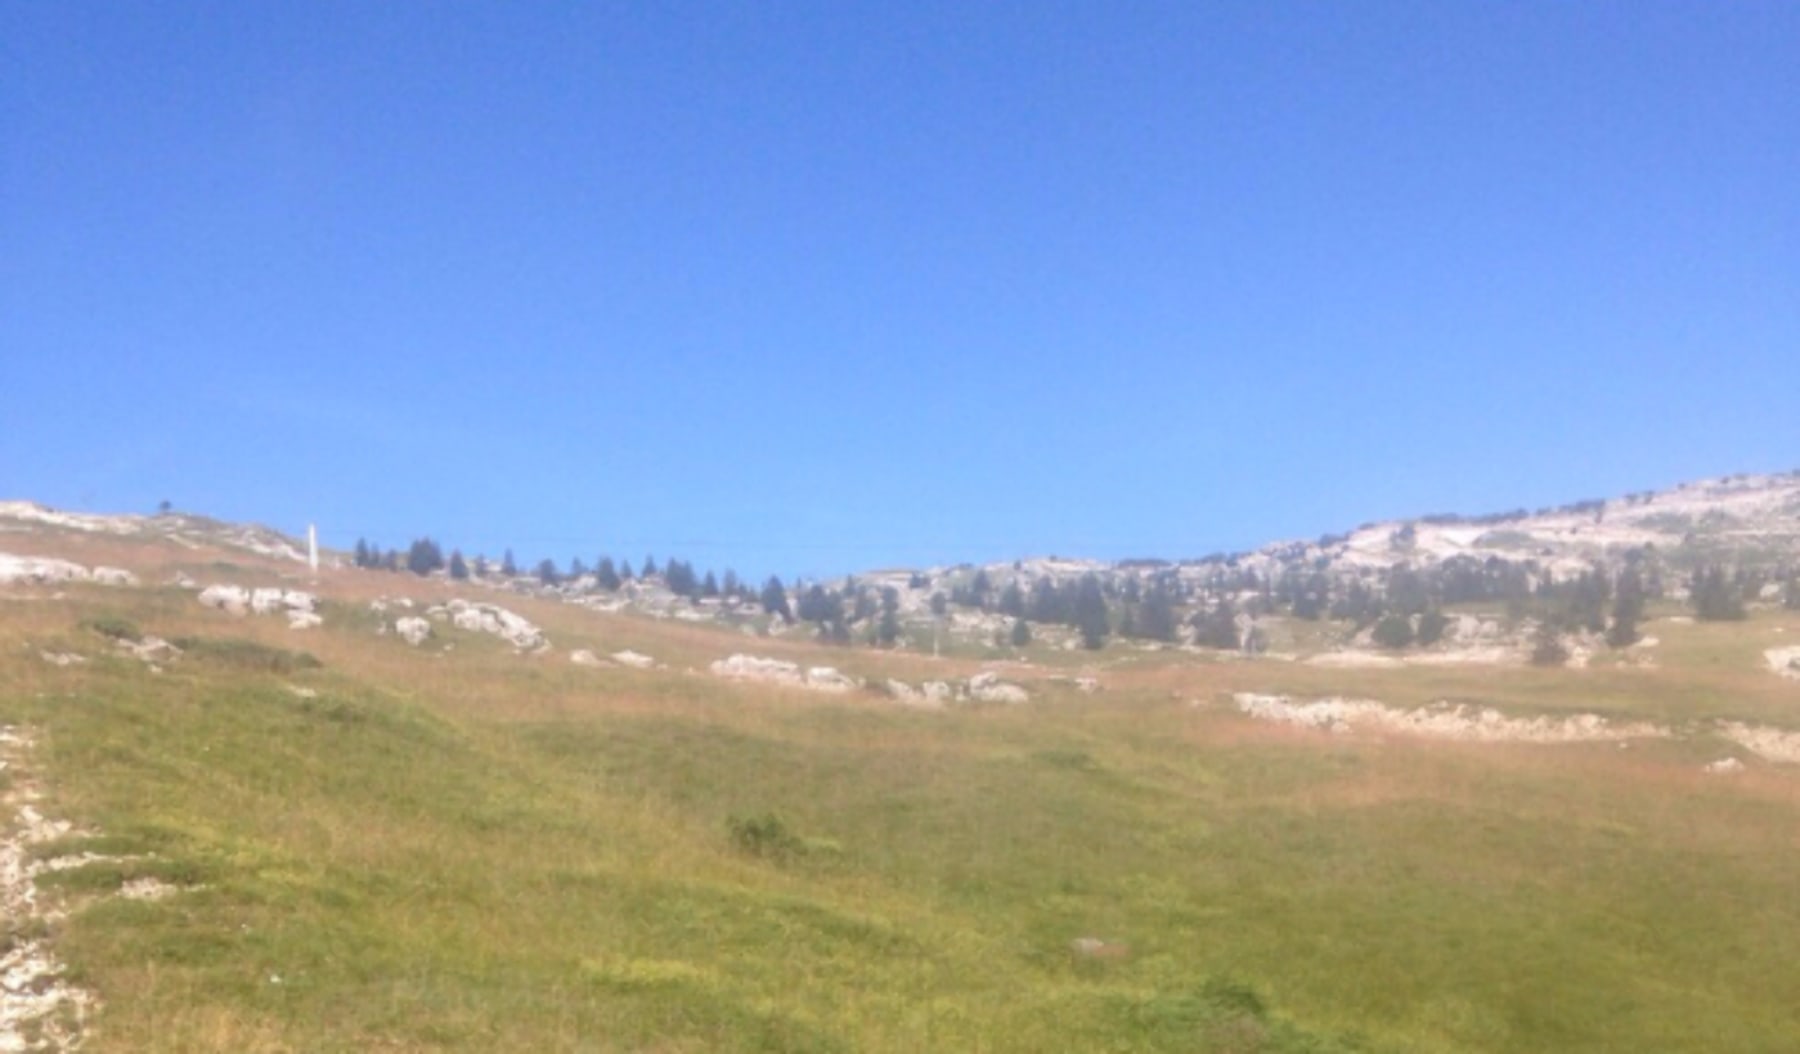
[1784, 661]
[827, 679]
[233, 599]
[39, 569]
[478, 617]
[989, 688]
[114, 576]
[412, 629]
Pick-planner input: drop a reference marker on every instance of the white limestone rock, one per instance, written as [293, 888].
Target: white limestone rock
[232, 599]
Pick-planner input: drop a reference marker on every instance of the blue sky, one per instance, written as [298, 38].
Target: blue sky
[807, 288]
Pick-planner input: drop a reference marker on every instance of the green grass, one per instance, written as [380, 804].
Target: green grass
[481, 851]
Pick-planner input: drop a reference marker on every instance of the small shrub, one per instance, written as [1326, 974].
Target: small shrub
[1394, 631]
[1549, 650]
[1079, 760]
[113, 627]
[1432, 625]
[766, 836]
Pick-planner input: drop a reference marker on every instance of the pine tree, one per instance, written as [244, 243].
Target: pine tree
[775, 600]
[1628, 608]
[1156, 615]
[1715, 597]
[507, 566]
[1021, 633]
[1217, 628]
[546, 572]
[979, 589]
[459, 569]
[889, 630]
[608, 575]
[648, 569]
[625, 570]
[1090, 613]
[362, 558]
[1432, 625]
[1012, 600]
[710, 586]
[1394, 631]
[1549, 649]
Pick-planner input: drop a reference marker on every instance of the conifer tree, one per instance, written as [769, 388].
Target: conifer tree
[507, 566]
[1012, 600]
[888, 632]
[459, 569]
[1156, 615]
[1715, 597]
[1628, 608]
[607, 575]
[1090, 613]
[775, 600]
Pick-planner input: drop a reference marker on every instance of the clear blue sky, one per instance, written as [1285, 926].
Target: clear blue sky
[806, 288]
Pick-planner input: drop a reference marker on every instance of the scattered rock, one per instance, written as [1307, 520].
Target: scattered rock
[584, 657]
[777, 671]
[42, 570]
[1784, 661]
[147, 888]
[39, 1008]
[232, 599]
[412, 629]
[1096, 948]
[62, 658]
[478, 617]
[633, 659]
[149, 649]
[114, 576]
[1725, 766]
[38, 570]
[1440, 721]
[304, 620]
[827, 679]
[989, 688]
[1770, 744]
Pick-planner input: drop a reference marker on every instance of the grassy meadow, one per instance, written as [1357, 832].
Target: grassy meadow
[460, 848]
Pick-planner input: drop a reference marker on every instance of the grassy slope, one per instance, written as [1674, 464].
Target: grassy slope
[474, 850]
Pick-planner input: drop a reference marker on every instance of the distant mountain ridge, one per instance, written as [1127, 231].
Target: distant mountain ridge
[1749, 524]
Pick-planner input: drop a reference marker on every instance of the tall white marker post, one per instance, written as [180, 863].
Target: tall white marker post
[312, 548]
